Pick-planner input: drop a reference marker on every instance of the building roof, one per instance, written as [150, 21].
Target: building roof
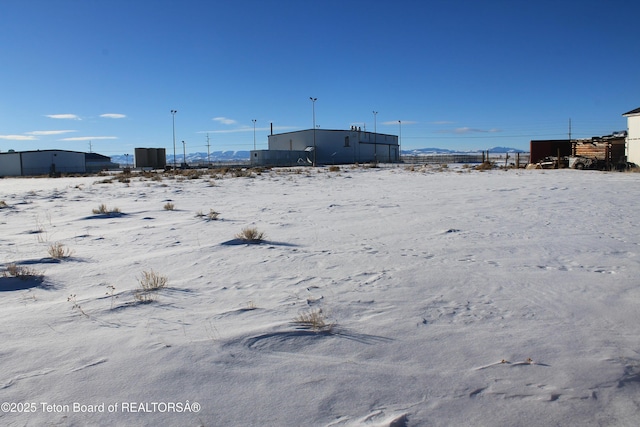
[331, 130]
[632, 112]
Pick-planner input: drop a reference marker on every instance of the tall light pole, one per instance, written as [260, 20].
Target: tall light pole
[313, 107]
[184, 154]
[400, 140]
[375, 136]
[254, 134]
[173, 116]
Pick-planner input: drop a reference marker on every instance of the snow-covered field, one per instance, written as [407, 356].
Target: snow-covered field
[498, 298]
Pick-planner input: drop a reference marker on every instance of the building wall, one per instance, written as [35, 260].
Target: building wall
[40, 162]
[633, 139]
[10, 164]
[280, 158]
[340, 146]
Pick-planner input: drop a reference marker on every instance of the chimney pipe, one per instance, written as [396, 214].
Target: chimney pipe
[271, 128]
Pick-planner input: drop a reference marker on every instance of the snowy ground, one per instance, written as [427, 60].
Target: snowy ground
[456, 297]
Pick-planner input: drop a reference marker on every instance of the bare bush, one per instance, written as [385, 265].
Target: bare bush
[314, 320]
[149, 285]
[22, 273]
[251, 235]
[59, 251]
[102, 210]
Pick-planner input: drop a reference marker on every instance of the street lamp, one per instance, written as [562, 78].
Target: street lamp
[254, 134]
[400, 140]
[173, 115]
[184, 154]
[313, 106]
[375, 136]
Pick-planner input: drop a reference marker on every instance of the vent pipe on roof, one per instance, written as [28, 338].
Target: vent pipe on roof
[271, 128]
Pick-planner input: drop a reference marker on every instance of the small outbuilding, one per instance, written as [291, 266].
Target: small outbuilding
[327, 147]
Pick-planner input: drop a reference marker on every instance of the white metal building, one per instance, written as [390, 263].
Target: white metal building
[633, 136]
[327, 147]
[48, 162]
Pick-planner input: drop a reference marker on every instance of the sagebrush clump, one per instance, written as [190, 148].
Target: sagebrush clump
[149, 285]
[22, 273]
[102, 210]
[314, 320]
[251, 235]
[59, 251]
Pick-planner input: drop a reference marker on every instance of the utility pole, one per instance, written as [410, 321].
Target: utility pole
[313, 102]
[90, 146]
[400, 141]
[208, 152]
[375, 136]
[254, 134]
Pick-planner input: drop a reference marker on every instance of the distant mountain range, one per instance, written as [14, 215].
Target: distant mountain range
[243, 156]
[428, 151]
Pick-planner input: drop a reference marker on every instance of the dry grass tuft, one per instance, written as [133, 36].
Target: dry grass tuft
[484, 166]
[314, 320]
[3, 204]
[251, 234]
[59, 251]
[169, 206]
[22, 273]
[102, 210]
[211, 216]
[150, 283]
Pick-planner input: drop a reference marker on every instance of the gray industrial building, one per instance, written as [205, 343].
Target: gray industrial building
[51, 162]
[327, 147]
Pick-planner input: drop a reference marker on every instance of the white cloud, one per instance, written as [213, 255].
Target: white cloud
[113, 116]
[49, 132]
[224, 120]
[88, 138]
[465, 130]
[247, 129]
[63, 116]
[18, 137]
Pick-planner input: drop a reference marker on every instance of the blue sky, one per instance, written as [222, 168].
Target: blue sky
[458, 74]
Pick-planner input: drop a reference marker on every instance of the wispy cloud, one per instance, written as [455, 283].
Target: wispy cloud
[63, 116]
[18, 137]
[88, 138]
[464, 130]
[224, 120]
[113, 116]
[48, 132]
[247, 129]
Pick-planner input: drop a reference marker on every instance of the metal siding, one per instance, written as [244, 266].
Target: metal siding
[10, 164]
[633, 139]
[39, 162]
